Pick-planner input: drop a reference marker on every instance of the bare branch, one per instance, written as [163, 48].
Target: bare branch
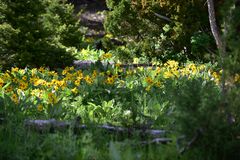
[162, 17]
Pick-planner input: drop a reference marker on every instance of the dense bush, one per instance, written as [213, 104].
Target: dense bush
[204, 128]
[208, 116]
[163, 29]
[37, 33]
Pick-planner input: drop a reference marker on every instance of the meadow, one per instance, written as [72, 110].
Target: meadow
[119, 80]
[138, 98]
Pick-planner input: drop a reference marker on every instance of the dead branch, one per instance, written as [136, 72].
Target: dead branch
[196, 136]
[157, 141]
[162, 17]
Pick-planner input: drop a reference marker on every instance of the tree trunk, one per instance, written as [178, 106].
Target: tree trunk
[220, 45]
[214, 28]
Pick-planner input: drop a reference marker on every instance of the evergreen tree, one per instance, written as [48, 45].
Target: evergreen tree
[37, 32]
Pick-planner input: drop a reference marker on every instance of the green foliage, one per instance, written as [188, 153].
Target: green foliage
[37, 33]
[7, 34]
[181, 99]
[89, 54]
[232, 59]
[141, 22]
[202, 120]
[201, 44]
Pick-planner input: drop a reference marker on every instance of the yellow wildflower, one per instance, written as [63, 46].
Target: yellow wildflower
[149, 80]
[14, 69]
[34, 71]
[6, 77]
[20, 92]
[56, 88]
[49, 85]
[1, 82]
[89, 40]
[54, 81]
[115, 76]
[140, 69]
[64, 72]
[202, 67]
[79, 75]
[106, 56]
[129, 72]
[61, 83]
[52, 99]
[158, 84]
[41, 69]
[35, 92]
[216, 77]
[88, 79]
[9, 89]
[38, 82]
[175, 73]
[191, 68]
[120, 70]
[24, 78]
[117, 65]
[67, 68]
[23, 85]
[71, 68]
[184, 72]
[168, 74]
[74, 90]
[109, 35]
[32, 79]
[148, 88]
[109, 80]
[237, 78]
[94, 74]
[40, 107]
[15, 98]
[77, 82]
[14, 80]
[54, 74]
[171, 64]
[158, 70]
[68, 77]
[22, 71]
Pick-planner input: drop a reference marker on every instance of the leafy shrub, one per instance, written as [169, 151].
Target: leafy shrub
[144, 22]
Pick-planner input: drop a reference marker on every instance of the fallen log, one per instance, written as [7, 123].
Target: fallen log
[52, 125]
[87, 64]
[157, 141]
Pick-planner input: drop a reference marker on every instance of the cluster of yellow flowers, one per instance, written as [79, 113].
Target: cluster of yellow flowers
[48, 86]
[106, 56]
